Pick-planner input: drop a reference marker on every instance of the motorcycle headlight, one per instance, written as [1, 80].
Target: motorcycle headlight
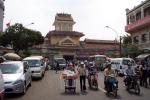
[18, 82]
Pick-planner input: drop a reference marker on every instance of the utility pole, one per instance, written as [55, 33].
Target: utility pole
[120, 39]
[120, 46]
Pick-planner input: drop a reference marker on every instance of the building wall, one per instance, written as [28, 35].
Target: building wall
[1, 14]
[56, 39]
[141, 33]
[100, 45]
[64, 26]
[138, 12]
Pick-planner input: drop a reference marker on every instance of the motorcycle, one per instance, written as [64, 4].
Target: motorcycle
[112, 85]
[131, 82]
[93, 83]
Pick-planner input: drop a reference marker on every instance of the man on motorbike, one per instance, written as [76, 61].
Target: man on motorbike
[128, 73]
[107, 73]
[92, 73]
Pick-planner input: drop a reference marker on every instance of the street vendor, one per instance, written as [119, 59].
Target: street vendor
[70, 67]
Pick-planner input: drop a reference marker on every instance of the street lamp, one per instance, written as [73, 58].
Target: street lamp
[120, 53]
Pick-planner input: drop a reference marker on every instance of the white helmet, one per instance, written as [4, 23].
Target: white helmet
[82, 63]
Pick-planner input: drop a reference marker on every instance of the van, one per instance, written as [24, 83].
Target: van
[120, 64]
[1, 86]
[37, 66]
[61, 62]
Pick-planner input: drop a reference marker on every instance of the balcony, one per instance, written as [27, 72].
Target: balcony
[138, 24]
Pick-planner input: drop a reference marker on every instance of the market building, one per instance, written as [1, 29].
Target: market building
[138, 24]
[64, 41]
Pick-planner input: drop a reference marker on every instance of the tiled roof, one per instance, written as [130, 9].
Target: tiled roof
[100, 41]
[64, 33]
[63, 17]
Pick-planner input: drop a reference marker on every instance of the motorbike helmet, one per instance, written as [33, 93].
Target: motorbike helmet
[82, 63]
[91, 63]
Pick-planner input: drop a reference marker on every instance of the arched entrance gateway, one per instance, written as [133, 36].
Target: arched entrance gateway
[68, 57]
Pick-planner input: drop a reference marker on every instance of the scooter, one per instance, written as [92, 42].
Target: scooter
[131, 82]
[112, 85]
[93, 81]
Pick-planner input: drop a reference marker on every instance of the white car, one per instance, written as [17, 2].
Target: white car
[37, 66]
[17, 76]
[1, 86]
[120, 64]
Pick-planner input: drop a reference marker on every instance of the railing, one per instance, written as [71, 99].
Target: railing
[138, 24]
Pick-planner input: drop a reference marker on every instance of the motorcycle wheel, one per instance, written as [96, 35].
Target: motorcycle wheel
[115, 93]
[128, 88]
[96, 84]
[137, 89]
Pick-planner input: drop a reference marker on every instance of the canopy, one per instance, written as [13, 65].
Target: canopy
[12, 56]
[142, 56]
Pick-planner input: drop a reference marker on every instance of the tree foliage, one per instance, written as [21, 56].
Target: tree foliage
[130, 49]
[20, 38]
[127, 40]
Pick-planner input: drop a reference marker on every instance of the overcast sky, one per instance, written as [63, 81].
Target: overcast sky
[91, 16]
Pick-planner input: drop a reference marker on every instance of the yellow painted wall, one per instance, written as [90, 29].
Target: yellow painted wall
[56, 39]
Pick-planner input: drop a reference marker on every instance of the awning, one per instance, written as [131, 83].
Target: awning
[142, 56]
[12, 56]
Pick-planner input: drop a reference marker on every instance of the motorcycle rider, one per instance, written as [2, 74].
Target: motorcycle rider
[92, 73]
[107, 72]
[128, 73]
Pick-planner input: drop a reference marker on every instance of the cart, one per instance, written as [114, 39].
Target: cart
[69, 81]
[70, 85]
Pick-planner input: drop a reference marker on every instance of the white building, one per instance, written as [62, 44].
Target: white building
[138, 24]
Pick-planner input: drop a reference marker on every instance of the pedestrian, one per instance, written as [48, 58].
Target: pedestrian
[83, 73]
[143, 81]
[57, 66]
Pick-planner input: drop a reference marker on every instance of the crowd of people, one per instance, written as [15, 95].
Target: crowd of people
[86, 69]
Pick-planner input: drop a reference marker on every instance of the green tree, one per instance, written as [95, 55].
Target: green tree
[20, 38]
[130, 49]
[127, 40]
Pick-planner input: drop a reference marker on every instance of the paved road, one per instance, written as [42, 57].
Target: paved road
[51, 88]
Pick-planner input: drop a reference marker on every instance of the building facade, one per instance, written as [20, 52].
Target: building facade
[2, 8]
[63, 40]
[102, 47]
[138, 24]
[66, 42]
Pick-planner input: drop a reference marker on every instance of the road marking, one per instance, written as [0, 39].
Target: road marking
[103, 90]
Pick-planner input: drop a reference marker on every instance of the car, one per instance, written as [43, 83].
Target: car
[2, 59]
[1, 86]
[61, 62]
[120, 64]
[17, 76]
[37, 66]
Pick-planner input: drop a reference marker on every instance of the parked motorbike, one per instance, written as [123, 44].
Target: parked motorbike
[112, 85]
[131, 82]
